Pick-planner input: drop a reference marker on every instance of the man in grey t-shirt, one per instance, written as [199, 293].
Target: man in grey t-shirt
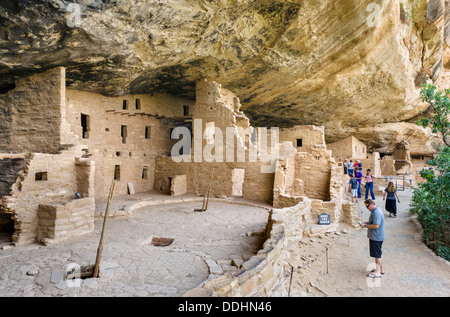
[375, 233]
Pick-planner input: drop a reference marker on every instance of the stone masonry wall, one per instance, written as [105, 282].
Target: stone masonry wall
[309, 135]
[147, 134]
[348, 148]
[59, 221]
[263, 275]
[30, 114]
[45, 179]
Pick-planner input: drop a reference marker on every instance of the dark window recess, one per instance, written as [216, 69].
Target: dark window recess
[125, 105]
[123, 133]
[117, 172]
[145, 173]
[138, 104]
[147, 132]
[40, 176]
[85, 123]
[299, 142]
[186, 110]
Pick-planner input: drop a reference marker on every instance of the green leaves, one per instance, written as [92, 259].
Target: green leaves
[431, 202]
[440, 103]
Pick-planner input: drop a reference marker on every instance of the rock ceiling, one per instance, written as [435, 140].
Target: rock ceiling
[348, 65]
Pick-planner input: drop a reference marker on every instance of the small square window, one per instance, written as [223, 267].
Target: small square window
[40, 176]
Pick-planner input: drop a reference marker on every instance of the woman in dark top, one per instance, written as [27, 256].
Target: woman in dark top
[391, 194]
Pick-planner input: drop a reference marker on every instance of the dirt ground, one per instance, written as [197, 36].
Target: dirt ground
[411, 269]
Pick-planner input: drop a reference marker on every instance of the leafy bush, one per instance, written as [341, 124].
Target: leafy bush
[431, 202]
[431, 199]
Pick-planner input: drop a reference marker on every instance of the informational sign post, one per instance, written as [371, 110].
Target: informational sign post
[324, 219]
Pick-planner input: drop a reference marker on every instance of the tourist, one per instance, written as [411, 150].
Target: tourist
[375, 233]
[359, 164]
[345, 166]
[359, 175]
[353, 186]
[350, 168]
[391, 205]
[369, 184]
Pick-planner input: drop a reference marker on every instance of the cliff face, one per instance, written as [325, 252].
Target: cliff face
[346, 64]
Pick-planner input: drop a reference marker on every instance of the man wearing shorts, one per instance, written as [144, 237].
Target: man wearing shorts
[375, 233]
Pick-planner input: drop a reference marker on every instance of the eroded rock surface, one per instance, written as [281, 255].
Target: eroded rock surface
[345, 64]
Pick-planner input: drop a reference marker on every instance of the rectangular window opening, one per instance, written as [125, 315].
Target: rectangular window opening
[85, 124]
[147, 132]
[125, 105]
[186, 110]
[145, 173]
[40, 176]
[123, 133]
[117, 172]
[299, 142]
[138, 104]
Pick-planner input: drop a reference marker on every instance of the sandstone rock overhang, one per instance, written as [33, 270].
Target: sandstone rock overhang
[342, 64]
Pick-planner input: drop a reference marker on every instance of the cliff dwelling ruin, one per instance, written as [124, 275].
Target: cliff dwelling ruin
[57, 166]
[237, 142]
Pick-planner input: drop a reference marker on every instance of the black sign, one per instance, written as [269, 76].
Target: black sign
[324, 219]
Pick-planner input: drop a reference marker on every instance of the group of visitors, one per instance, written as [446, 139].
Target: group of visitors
[354, 170]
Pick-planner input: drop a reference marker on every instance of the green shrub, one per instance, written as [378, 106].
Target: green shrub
[431, 199]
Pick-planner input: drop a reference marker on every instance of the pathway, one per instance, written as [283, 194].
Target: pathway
[411, 268]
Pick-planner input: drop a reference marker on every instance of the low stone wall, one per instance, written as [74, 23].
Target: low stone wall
[60, 221]
[264, 274]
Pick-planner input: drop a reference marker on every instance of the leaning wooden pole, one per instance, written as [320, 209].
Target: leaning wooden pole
[100, 246]
[209, 189]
